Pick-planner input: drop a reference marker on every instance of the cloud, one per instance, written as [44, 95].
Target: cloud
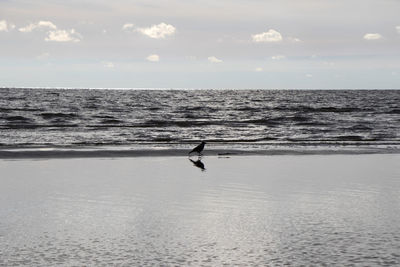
[107, 64]
[213, 59]
[267, 37]
[153, 58]
[128, 26]
[278, 57]
[309, 75]
[294, 40]
[53, 33]
[398, 29]
[39, 25]
[5, 27]
[258, 69]
[63, 36]
[372, 36]
[159, 31]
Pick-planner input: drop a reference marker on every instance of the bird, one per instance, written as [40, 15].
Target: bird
[198, 148]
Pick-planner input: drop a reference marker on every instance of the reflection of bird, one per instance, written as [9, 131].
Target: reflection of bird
[198, 148]
[198, 164]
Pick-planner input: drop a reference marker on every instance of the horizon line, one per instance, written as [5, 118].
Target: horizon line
[179, 88]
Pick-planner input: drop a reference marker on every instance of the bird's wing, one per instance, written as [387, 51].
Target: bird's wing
[197, 148]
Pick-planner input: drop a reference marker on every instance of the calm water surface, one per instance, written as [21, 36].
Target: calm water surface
[272, 210]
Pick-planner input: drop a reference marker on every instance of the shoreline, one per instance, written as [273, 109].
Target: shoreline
[50, 153]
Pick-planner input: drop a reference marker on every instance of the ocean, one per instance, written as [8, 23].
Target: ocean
[242, 119]
[83, 182]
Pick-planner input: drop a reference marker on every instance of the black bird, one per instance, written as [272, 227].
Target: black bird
[198, 148]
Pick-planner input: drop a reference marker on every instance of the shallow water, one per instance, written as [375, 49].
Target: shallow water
[175, 118]
[254, 210]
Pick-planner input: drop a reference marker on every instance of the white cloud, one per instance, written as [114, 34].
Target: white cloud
[53, 33]
[267, 37]
[128, 26]
[213, 59]
[63, 36]
[278, 57]
[28, 28]
[309, 75]
[47, 24]
[372, 36]
[294, 40]
[159, 31]
[398, 29]
[5, 27]
[153, 58]
[39, 25]
[108, 64]
[258, 69]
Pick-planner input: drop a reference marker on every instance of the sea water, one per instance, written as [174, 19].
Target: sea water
[181, 118]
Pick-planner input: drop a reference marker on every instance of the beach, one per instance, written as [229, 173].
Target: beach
[288, 209]
[199, 133]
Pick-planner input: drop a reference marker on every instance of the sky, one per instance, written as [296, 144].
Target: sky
[272, 44]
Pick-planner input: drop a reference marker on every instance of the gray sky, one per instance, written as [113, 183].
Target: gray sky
[200, 44]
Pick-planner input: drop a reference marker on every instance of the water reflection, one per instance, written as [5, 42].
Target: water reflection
[198, 163]
[331, 210]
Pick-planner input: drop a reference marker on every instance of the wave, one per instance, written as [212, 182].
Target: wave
[249, 108]
[20, 119]
[2, 109]
[63, 117]
[349, 138]
[49, 115]
[22, 125]
[310, 109]
[112, 121]
[394, 111]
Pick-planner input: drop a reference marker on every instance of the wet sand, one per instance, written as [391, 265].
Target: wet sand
[243, 210]
[119, 152]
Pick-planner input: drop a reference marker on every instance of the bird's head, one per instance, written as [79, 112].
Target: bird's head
[203, 142]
